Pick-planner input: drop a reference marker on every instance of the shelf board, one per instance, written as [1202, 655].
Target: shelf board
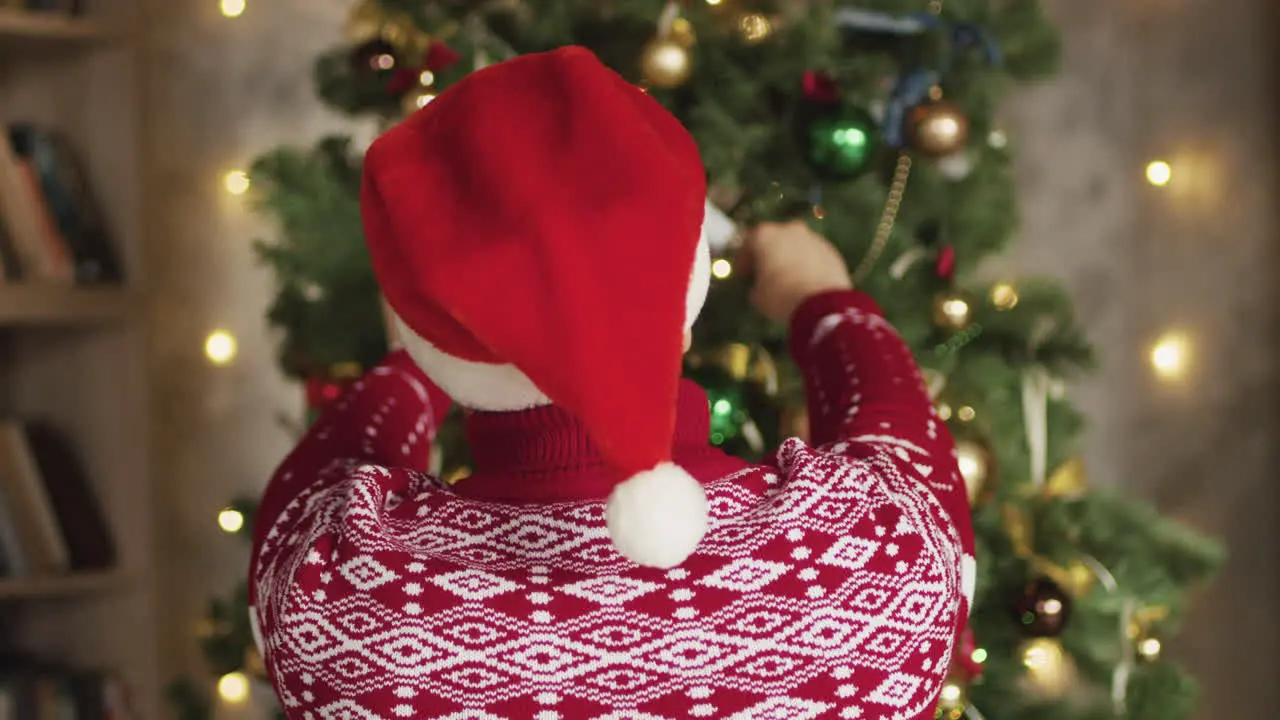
[58, 586]
[46, 25]
[50, 304]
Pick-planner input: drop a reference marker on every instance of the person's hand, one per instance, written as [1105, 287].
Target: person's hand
[791, 263]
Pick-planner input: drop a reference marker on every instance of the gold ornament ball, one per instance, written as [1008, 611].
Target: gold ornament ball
[952, 311]
[974, 461]
[938, 128]
[666, 63]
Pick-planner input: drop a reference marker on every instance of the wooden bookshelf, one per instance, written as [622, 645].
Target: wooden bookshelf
[59, 586]
[22, 24]
[76, 359]
[36, 304]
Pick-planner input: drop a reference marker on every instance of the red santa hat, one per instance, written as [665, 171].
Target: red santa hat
[537, 230]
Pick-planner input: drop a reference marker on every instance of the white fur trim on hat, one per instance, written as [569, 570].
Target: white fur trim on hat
[657, 518]
[503, 388]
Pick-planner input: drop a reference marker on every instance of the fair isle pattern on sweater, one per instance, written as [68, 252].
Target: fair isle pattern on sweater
[829, 586]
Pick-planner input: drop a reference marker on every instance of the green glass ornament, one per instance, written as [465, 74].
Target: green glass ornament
[841, 143]
[725, 401]
[727, 415]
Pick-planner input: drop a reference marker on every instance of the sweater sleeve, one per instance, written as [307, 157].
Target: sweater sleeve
[868, 401]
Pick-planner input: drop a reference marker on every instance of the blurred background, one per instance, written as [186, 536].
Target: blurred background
[1146, 171]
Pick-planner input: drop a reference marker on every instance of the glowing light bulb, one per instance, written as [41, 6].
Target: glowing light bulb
[714, 2]
[721, 268]
[979, 656]
[234, 687]
[997, 139]
[1169, 356]
[966, 413]
[236, 182]
[231, 520]
[220, 347]
[951, 693]
[1004, 296]
[1159, 173]
[1149, 648]
[232, 8]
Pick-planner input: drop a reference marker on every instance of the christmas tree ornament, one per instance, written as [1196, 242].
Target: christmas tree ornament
[328, 385]
[754, 27]
[682, 32]
[1069, 481]
[937, 129]
[728, 413]
[819, 88]
[1004, 296]
[840, 142]
[952, 311]
[1049, 670]
[975, 461]
[665, 62]
[1043, 609]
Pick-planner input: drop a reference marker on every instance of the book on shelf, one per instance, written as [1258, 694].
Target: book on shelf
[53, 228]
[34, 690]
[51, 522]
[70, 7]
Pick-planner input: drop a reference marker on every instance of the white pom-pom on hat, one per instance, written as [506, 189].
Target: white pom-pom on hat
[657, 518]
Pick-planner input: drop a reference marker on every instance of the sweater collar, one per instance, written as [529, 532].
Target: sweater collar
[544, 454]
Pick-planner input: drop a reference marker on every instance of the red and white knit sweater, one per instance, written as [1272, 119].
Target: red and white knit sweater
[831, 584]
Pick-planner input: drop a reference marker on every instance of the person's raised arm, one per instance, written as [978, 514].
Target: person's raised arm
[863, 389]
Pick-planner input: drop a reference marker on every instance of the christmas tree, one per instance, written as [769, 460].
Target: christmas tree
[879, 124]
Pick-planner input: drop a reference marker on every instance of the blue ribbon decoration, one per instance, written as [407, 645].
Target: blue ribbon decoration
[883, 22]
[963, 36]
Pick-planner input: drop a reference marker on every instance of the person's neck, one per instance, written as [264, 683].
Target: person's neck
[544, 454]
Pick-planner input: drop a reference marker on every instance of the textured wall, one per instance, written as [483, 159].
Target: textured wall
[1195, 83]
[221, 91]
[1185, 80]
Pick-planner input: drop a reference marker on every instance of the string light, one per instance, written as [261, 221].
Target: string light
[1004, 297]
[231, 520]
[1159, 173]
[951, 693]
[714, 2]
[979, 656]
[1149, 648]
[721, 268]
[234, 687]
[1169, 356]
[232, 8]
[220, 347]
[997, 139]
[236, 182]
[966, 413]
